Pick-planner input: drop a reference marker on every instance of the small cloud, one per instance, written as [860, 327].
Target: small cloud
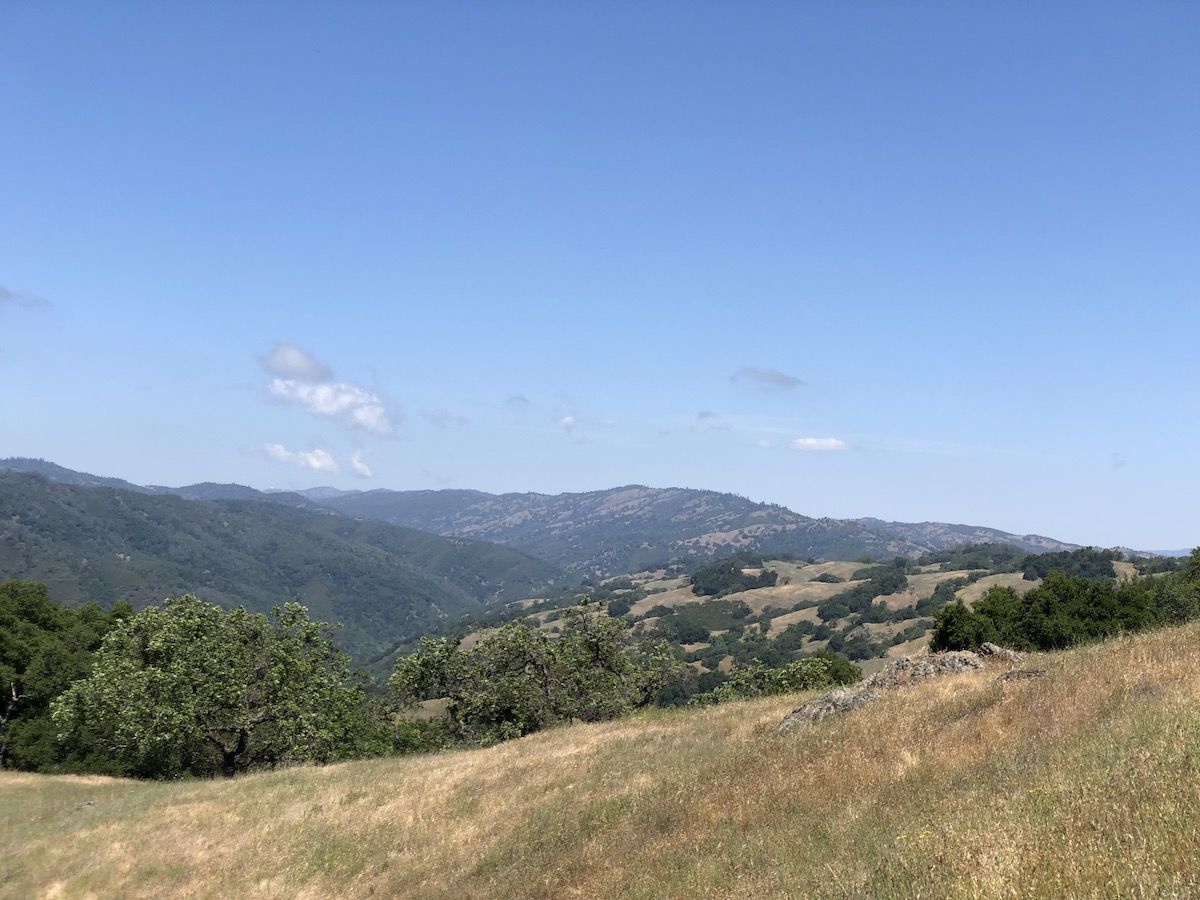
[358, 467]
[21, 299]
[316, 460]
[815, 443]
[302, 379]
[442, 418]
[436, 477]
[517, 401]
[770, 378]
[567, 424]
[764, 444]
[289, 361]
[347, 403]
[707, 420]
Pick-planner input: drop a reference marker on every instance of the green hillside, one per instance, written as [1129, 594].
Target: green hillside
[384, 583]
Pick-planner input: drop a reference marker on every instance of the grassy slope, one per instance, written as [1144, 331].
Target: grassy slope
[1082, 783]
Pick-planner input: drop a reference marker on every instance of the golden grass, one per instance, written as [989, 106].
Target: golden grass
[780, 624]
[678, 597]
[1084, 783]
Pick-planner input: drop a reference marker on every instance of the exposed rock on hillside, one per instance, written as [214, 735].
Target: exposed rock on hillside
[905, 671]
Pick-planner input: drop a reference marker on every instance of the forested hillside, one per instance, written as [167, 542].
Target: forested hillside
[607, 532]
[383, 583]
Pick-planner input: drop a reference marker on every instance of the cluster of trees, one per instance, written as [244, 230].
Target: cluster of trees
[996, 557]
[1066, 610]
[1086, 563]
[876, 581]
[719, 579]
[820, 670]
[520, 679]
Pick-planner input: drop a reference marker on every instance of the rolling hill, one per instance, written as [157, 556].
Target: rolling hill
[384, 583]
[632, 528]
[1078, 783]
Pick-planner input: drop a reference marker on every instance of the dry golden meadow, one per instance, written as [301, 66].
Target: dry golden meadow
[1083, 783]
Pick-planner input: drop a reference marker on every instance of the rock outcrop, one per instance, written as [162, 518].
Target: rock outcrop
[904, 671]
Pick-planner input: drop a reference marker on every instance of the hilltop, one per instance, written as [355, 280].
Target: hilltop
[635, 527]
[1079, 783]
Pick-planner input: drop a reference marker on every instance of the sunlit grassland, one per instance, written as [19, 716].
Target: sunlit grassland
[1085, 782]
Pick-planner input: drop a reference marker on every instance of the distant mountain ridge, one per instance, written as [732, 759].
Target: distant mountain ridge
[605, 532]
[94, 542]
[636, 527]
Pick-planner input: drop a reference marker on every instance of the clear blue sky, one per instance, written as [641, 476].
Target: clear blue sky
[917, 261]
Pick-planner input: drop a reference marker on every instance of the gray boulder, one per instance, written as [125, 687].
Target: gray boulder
[904, 671]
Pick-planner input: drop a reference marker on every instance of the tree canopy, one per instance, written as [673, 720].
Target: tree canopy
[520, 679]
[187, 687]
[44, 646]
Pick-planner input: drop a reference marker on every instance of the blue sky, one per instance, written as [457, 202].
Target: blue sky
[916, 261]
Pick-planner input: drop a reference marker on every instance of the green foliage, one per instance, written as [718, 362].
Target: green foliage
[1067, 610]
[1086, 563]
[829, 578]
[958, 628]
[995, 557]
[719, 579]
[880, 581]
[694, 621]
[519, 679]
[756, 680]
[44, 646]
[187, 688]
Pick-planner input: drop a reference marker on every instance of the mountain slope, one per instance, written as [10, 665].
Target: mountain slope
[634, 527]
[385, 583]
[1080, 783]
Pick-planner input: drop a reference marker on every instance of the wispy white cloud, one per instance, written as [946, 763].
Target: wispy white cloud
[358, 466]
[22, 299]
[567, 423]
[767, 377]
[707, 420]
[819, 443]
[289, 361]
[764, 444]
[438, 478]
[317, 460]
[442, 418]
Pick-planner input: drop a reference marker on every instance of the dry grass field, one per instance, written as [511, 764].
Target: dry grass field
[1083, 783]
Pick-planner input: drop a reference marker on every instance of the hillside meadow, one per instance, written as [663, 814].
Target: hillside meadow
[1084, 782]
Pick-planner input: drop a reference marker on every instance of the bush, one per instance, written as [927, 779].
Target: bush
[756, 680]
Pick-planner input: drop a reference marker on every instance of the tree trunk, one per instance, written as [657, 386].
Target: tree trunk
[9, 709]
[229, 756]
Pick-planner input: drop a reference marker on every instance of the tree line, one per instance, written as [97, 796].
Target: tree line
[185, 688]
[1066, 610]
